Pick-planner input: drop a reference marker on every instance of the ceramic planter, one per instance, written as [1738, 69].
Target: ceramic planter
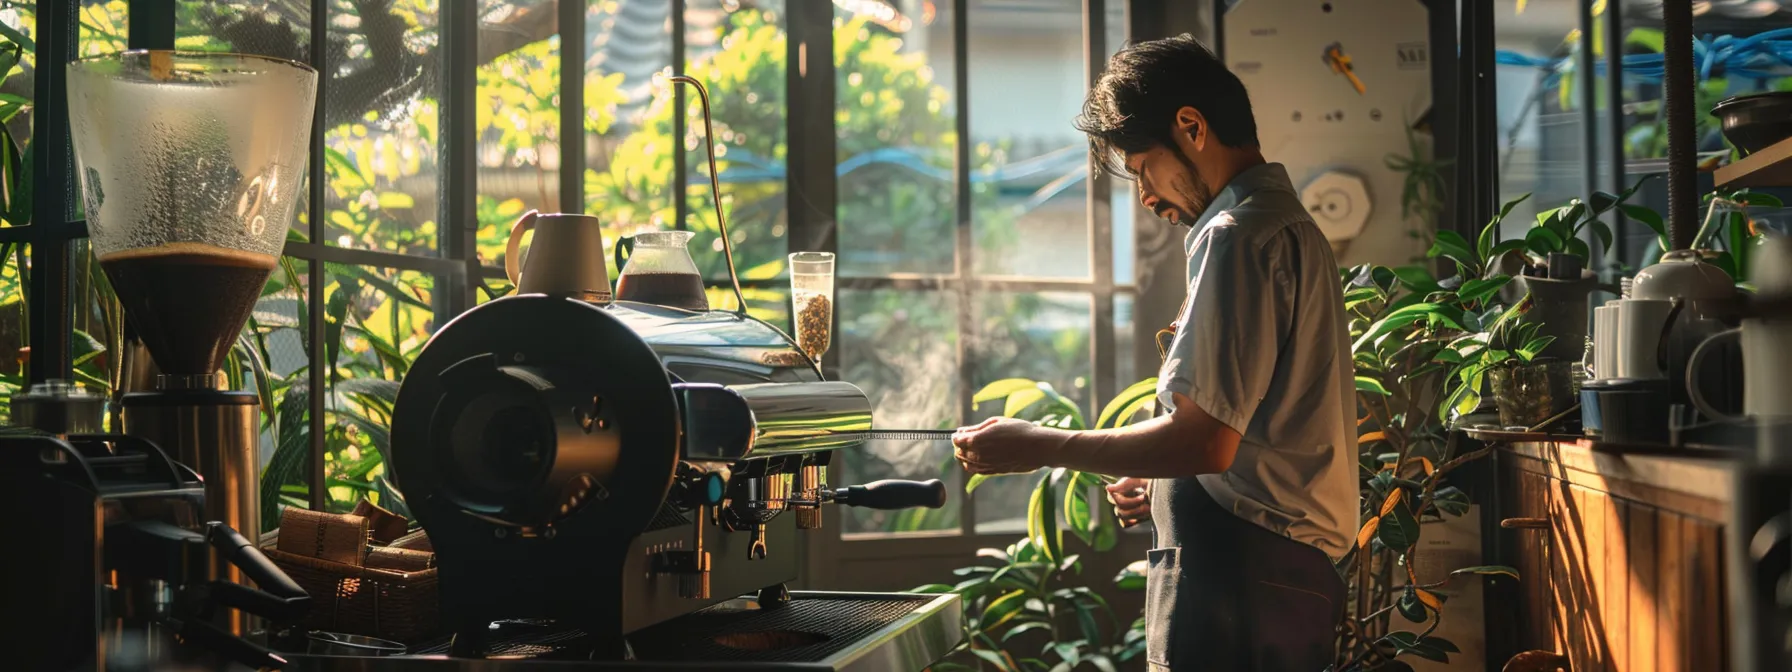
[1561, 307]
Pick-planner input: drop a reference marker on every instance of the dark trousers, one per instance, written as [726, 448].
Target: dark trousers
[1238, 597]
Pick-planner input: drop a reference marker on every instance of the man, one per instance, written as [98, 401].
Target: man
[1255, 490]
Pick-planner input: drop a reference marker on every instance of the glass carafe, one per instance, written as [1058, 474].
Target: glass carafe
[659, 270]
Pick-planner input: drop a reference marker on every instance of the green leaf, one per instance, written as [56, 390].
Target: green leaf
[1002, 388]
[1022, 629]
[1411, 608]
[1577, 247]
[1441, 644]
[1603, 201]
[1042, 519]
[1757, 199]
[1020, 400]
[1648, 216]
[1002, 609]
[1481, 288]
[1132, 577]
[1542, 240]
[1451, 245]
[970, 484]
[1372, 386]
[1114, 413]
[17, 38]
[18, 212]
[1603, 233]
[1416, 278]
[1487, 570]
[1399, 530]
[931, 588]
[1077, 511]
[1451, 500]
[1507, 246]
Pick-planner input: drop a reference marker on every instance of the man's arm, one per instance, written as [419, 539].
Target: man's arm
[1187, 442]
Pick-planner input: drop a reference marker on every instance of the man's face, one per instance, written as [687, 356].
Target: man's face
[1169, 184]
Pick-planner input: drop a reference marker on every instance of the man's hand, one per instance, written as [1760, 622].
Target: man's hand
[1006, 446]
[1132, 500]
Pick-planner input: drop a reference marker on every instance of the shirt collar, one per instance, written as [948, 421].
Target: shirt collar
[1245, 183]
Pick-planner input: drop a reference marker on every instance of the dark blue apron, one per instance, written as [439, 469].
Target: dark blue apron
[1225, 594]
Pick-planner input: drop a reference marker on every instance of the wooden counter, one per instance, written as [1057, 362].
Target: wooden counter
[1621, 554]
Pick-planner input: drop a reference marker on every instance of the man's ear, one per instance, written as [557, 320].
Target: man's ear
[1190, 121]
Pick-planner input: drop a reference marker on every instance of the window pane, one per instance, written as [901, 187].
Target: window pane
[279, 28]
[894, 122]
[276, 331]
[1043, 337]
[1126, 344]
[737, 51]
[518, 118]
[13, 333]
[18, 82]
[381, 115]
[387, 316]
[1027, 82]
[628, 117]
[1540, 140]
[901, 347]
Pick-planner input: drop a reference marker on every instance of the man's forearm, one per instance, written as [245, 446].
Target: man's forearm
[1185, 443]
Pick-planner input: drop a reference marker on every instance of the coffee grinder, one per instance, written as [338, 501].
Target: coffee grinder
[190, 166]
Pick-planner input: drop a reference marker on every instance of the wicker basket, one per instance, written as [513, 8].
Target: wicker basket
[399, 606]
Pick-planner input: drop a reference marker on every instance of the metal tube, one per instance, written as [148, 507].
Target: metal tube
[715, 188]
[1677, 98]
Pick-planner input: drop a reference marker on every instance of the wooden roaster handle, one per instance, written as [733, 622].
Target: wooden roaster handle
[1525, 523]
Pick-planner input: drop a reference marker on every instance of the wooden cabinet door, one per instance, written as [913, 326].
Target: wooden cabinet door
[1633, 586]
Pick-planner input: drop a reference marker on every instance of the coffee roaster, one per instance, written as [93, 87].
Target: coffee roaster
[625, 483]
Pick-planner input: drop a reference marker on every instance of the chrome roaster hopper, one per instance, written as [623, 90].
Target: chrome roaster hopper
[613, 468]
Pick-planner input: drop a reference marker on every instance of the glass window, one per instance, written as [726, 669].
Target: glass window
[894, 122]
[1540, 143]
[380, 121]
[901, 347]
[13, 335]
[376, 321]
[1027, 82]
[517, 119]
[738, 51]
[276, 332]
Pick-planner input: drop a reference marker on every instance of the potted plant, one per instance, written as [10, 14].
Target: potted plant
[1550, 263]
[1407, 330]
[1028, 605]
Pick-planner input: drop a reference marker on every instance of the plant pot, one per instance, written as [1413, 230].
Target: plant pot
[1529, 394]
[1561, 307]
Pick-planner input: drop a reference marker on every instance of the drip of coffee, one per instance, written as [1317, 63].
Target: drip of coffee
[188, 301]
[676, 290]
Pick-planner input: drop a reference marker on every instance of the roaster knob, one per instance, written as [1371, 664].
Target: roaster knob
[696, 487]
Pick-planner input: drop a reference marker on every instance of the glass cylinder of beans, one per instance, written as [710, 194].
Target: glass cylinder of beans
[812, 300]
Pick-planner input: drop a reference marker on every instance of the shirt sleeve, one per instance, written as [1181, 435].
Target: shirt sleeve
[1233, 326]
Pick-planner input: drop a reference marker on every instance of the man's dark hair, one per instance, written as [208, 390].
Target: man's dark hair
[1133, 106]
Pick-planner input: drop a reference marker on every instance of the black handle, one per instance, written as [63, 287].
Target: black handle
[280, 598]
[894, 494]
[625, 243]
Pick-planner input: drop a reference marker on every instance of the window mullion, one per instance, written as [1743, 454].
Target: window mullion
[314, 269]
[572, 105]
[1100, 224]
[961, 188]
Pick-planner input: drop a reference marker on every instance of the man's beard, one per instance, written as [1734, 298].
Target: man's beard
[1192, 189]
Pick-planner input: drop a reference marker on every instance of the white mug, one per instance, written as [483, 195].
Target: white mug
[1642, 332]
[1767, 374]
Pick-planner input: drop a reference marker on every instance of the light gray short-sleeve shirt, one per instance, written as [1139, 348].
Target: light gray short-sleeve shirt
[1263, 346]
